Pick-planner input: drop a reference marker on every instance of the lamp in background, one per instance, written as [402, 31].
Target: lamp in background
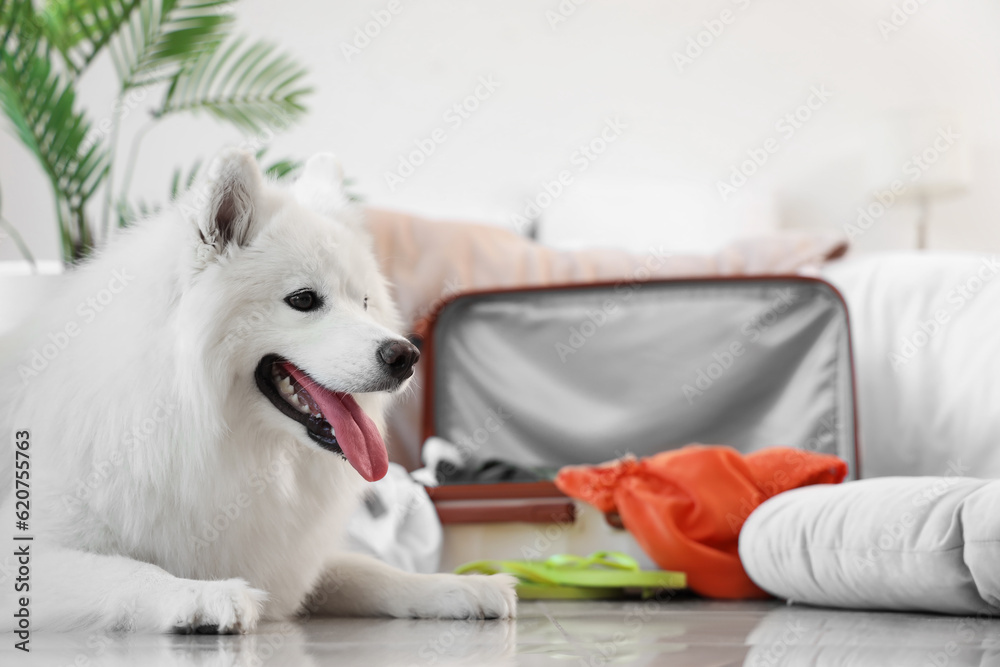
[925, 157]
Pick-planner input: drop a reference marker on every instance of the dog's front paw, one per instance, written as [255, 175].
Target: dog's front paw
[467, 596]
[216, 607]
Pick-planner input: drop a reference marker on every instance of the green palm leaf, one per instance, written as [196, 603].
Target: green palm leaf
[251, 85]
[41, 106]
[280, 169]
[283, 169]
[179, 183]
[129, 213]
[18, 20]
[80, 29]
[164, 36]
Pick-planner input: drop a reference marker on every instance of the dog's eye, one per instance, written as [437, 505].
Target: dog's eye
[304, 300]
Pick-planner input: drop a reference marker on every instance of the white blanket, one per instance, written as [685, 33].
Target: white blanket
[926, 331]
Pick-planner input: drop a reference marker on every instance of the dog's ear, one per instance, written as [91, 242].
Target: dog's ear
[234, 185]
[320, 188]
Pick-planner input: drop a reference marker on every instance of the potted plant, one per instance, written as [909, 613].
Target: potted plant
[182, 54]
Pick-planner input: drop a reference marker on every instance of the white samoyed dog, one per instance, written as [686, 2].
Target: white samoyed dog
[195, 414]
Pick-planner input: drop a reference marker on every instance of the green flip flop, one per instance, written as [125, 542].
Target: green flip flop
[602, 575]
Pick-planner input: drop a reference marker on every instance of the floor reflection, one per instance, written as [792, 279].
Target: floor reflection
[794, 635]
[679, 633]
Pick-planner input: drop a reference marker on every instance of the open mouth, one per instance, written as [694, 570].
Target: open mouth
[332, 419]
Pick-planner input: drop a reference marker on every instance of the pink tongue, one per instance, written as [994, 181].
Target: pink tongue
[356, 433]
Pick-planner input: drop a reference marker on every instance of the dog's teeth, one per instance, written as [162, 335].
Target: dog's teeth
[298, 403]
[286, 387]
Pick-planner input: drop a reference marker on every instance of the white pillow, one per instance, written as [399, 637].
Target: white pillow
[927, 361]
[917, 544]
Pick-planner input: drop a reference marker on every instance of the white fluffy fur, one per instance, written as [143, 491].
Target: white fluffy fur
[148, 433]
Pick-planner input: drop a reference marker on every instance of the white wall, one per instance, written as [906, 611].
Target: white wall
[611, 59]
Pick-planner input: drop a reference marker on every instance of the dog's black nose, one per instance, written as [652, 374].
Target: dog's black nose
[399, 357]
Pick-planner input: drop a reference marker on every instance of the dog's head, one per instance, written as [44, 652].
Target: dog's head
[304, 323]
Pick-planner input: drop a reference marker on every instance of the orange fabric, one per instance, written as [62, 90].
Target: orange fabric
[686, 507]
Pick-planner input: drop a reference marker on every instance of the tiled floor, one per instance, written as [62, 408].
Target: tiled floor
[680, 633]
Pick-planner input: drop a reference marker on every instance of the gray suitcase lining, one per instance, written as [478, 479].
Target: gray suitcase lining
[584, 374]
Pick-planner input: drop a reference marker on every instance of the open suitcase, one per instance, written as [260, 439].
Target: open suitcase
[539, 378]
